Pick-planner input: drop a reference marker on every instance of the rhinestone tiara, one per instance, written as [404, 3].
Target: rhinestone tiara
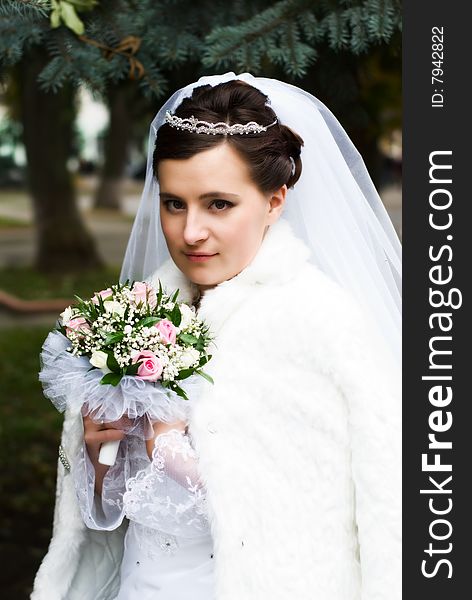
[193, 125]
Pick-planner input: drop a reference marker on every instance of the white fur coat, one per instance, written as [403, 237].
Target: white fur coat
[299, 444]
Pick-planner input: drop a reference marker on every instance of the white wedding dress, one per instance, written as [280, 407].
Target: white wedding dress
[168, 548]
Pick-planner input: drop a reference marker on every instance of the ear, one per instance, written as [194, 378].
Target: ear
[276, 204]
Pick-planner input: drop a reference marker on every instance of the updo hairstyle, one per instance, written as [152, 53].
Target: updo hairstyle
[267, 154]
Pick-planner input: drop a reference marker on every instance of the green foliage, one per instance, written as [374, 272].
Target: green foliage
[206, 376]
[30, 432]
[381, 19]
[65, 11]
[20, 28]
[175, 315]
[145, 40]
[147, 322]
[112, 338]
[29, 284]
[25, 8]
[290, 32]
[111, 378]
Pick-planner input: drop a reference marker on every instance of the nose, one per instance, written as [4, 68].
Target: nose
[195, 230]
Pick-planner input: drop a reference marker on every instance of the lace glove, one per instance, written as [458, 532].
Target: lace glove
[106, 512]
[168, 495]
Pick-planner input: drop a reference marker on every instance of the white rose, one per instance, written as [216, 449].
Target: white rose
[189, 357]
[66, 315]
[112, 306]
[99, 360]
[187, 316]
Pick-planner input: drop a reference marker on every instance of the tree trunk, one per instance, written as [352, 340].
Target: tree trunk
[63, 242]
[110, 190]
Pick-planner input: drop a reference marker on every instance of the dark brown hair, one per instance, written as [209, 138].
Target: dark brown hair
[267, 154]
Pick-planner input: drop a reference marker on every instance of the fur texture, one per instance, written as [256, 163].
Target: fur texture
[299, 444]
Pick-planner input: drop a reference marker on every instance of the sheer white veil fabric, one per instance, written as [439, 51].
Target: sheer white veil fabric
[334, 207]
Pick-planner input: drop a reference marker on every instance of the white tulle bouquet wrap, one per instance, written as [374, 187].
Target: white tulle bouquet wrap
[131, 353]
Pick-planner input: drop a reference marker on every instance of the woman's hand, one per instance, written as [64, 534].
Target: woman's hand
[96, 434]
[161, 427]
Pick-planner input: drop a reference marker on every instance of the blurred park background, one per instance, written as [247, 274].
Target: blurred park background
[80, 81]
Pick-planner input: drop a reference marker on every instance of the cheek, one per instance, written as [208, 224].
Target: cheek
[170, 229]
[244, 235]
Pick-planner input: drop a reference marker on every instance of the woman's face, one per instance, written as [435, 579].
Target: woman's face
[213, 216]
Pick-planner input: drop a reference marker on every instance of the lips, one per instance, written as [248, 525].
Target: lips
[199, 257]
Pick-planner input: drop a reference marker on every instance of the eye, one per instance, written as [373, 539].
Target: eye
[174, 205]
[221, 205]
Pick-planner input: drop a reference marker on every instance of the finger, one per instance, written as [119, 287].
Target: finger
[91, 425]
[99, 425]
[103, 435]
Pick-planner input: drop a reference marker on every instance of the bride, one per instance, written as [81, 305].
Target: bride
[282, 480]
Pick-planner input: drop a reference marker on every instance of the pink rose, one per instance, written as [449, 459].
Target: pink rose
[143, 292]
[78, 325]
[150, 368]
[167, 331]
[103, 294]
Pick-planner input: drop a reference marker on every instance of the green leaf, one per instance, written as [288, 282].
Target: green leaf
[133, 369]
[55, 17]
[159, 295]
[203, 360]
[176, 315]
[206, 376]
[125, 314]
[188, 338]
[178, 390]
[174, 295]
[200, 346]
[185, 373]
[148, 322]
[83, 4]
[113, 338]
[100, 303]
[79, 299]
[111, 378]
[111, 362]
[92, 312]
[70, 18]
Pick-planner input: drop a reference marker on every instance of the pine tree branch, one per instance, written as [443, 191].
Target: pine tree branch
[12, 8]
[247, 35]
[281, 35]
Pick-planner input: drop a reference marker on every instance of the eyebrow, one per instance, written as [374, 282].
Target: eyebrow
[164, 195]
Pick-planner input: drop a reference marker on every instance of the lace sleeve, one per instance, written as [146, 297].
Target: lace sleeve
[106, 512]
[169, 495]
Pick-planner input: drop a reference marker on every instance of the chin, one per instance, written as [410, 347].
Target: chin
[205, 279]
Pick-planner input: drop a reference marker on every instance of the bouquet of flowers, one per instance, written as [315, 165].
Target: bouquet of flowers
[129, 351]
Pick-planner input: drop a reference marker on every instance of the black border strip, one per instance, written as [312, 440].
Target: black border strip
[437, 236]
